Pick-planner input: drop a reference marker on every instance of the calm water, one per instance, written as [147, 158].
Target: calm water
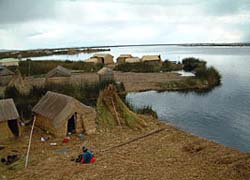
[222, 115]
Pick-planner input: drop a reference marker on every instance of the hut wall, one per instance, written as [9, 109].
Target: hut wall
[45, 124]
[4, 80]
[121, 60]
[108, 60]
[89, 123]
[5, 131]
[156, 62]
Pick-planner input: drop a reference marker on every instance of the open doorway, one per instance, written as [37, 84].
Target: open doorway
[72, 124]
[102, 59]
[13, 125]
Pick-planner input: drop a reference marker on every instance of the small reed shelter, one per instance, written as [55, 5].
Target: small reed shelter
[104, 58]
[58, 75]
[9, 119]
[152, 59]
[133, 60]
[122, 58]
[105, 74]
[5, 76]
[61, 114]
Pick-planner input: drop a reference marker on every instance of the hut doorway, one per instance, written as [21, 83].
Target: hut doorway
[72, 124]
[102, 59]
[13, 125]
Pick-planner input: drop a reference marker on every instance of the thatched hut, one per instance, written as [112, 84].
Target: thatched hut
[9, 119]
[105, 74]
[61, 114]
[133, 60]
[58, 75]
[152, 59]
[5, 76]
[122, 58]
[93, 60]
[104, 58]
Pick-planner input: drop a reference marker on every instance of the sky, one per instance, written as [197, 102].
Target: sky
[30, 24]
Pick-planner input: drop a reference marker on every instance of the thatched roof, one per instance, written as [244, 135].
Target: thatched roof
[8, 110]
[151, 58]
[105, 70]
[102, 55]
[132, 60]
[59, 107]
[125, 56]
[5, 72]
[92, 60]
[59, 71]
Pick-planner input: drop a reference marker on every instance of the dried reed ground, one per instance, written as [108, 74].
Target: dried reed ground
[169, 154]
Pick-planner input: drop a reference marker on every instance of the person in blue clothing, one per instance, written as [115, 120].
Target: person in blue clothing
[87, 156]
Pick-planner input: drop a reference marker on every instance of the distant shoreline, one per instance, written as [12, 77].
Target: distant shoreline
[138, 45]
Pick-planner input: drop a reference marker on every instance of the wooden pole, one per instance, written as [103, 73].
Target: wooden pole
[117, 118]
[28, 151]
[135, 139]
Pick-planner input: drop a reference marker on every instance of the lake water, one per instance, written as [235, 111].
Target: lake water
[222, 115]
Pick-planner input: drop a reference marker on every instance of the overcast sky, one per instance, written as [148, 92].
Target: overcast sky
[61, 23]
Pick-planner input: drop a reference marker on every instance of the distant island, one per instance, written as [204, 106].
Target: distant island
[6, 53]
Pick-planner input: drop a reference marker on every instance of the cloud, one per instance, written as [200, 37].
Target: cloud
[60, 23]
[16, 11]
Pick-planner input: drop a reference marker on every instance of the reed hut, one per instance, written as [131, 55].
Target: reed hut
[133, 60]
[152, 59]
[122, 58]
[9, 119]
[93, 60]
[104, 58]
[105, 74]
[58, 75]
[61, 114]
[5, 76]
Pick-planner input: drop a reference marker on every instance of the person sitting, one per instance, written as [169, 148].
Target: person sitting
[87, 156]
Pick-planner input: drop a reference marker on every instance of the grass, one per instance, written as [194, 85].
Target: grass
[147, 110]
[191, 63]
[189, 83]
[105, 118]
[113, 112]
[170, 66]
[30, 68]
[138, 67]
[85, 92]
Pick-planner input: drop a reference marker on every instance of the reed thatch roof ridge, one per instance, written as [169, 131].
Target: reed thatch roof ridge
[92, 60]
[151, 58]
[59, 70]
[59, 107]
[5, 71]
[133, 60]
[8, 110]
[105, 70]
[125, 56]
[102, 55]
